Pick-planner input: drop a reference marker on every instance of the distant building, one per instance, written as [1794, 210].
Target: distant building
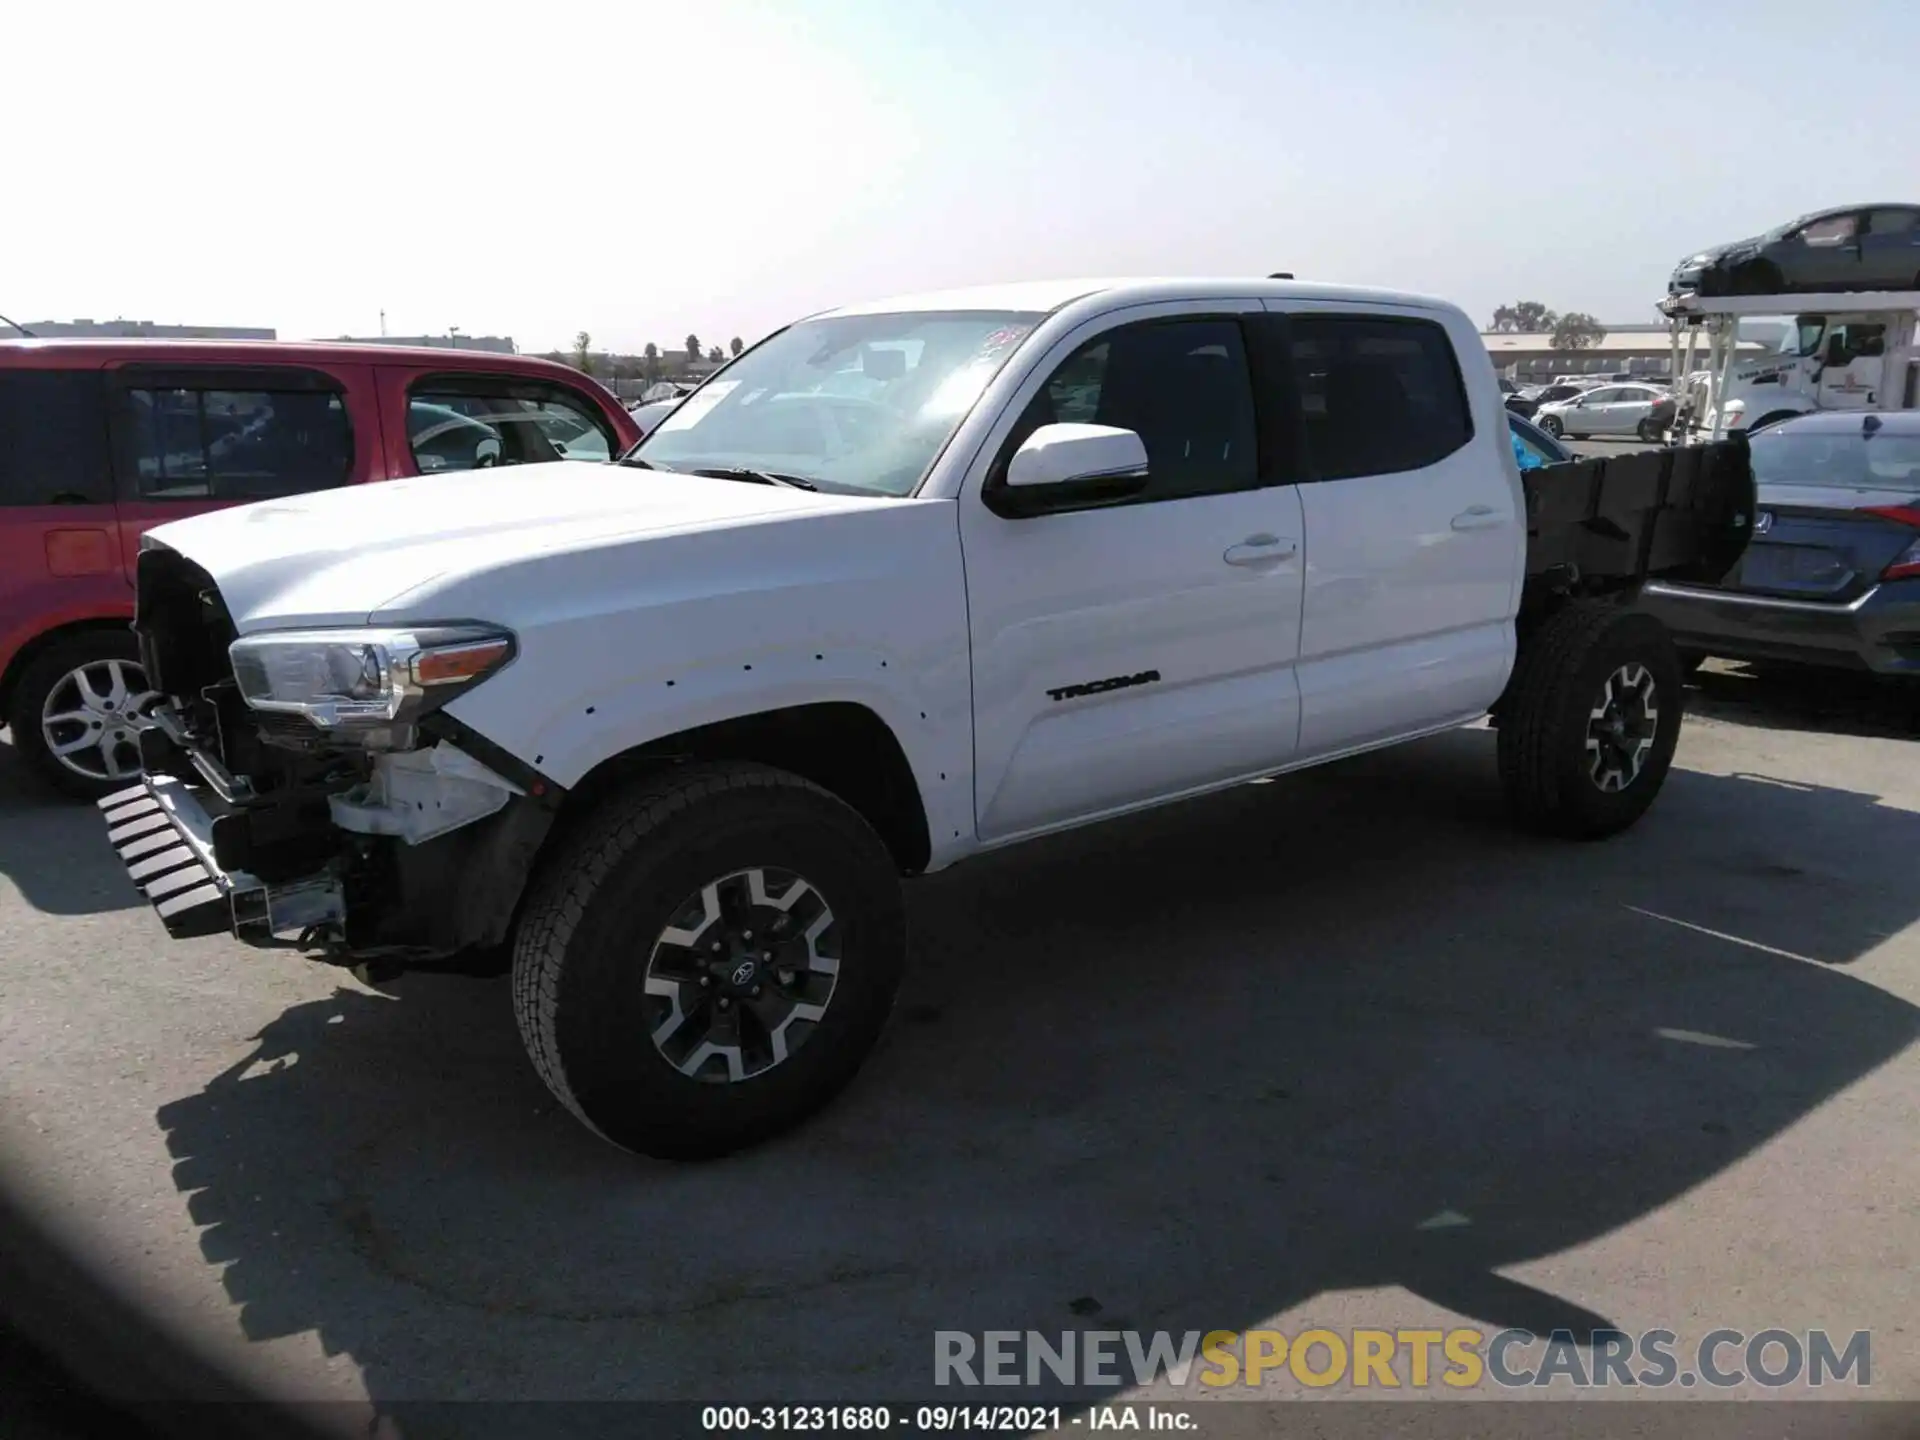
[1627, 349]
[141, 330]
[491, 344]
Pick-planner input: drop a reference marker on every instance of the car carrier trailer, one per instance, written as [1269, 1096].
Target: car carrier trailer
[1731, 393]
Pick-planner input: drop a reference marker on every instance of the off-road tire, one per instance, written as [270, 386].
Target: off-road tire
[1563, 667]
[30, 691]
[595, 909]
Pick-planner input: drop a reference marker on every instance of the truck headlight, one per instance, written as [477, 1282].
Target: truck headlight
[343, 679]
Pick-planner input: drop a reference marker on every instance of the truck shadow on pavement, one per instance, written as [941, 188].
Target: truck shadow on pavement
[1185, 1072]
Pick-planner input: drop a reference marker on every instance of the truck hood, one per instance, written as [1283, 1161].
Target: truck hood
[337, 556]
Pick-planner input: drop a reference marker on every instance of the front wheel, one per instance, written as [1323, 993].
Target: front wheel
[76, 712]
[709, 960]
[1551, 424]
[1590, 721]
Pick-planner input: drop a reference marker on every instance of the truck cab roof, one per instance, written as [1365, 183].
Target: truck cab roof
[1047, 296]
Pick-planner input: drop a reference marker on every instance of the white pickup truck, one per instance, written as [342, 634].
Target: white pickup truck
[906, 582]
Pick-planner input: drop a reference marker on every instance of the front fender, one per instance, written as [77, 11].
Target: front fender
[626, 644]
[927, 707]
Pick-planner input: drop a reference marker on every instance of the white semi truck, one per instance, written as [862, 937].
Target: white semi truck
[1841, 352]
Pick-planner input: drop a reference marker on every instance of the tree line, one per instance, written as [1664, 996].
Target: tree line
[1574, 330]
[652, 363]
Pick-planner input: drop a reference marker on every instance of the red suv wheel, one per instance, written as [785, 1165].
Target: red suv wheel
[75, 709]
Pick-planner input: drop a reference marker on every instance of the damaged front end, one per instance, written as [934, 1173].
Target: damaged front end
[304, 790]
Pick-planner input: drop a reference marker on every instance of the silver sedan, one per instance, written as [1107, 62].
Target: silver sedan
[1608, 410]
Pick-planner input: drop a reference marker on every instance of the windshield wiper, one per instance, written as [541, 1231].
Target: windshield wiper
[757, 477]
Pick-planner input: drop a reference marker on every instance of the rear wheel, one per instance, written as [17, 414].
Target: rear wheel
[1650, 431]
[710, 960]
[1591, 719]
[76, 709]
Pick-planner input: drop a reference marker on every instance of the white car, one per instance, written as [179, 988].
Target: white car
[912, 581]
[650, 413]
[1603, 410]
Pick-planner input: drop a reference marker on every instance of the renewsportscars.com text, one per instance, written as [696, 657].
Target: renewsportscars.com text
[1393, 1359]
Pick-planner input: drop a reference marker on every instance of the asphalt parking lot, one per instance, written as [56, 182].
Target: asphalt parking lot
[1341, 1049]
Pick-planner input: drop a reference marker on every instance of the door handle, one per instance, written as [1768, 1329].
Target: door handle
[1261, 550]
[1477, 517]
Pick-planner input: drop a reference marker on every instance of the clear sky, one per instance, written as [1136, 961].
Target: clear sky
[642, 169]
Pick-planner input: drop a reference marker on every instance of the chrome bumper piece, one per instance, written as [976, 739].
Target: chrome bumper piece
[164, 837]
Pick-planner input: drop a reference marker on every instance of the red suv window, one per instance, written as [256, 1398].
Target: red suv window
[53, 438]
[235, 444]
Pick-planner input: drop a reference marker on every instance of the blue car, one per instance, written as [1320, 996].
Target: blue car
[1534, 447]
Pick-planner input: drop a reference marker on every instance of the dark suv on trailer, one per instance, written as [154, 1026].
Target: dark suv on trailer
[1855, 247]
[99, 440]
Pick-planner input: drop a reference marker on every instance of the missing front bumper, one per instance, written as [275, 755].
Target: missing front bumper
[164, 836]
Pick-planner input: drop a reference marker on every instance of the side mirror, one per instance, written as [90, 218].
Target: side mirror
[1070, 467]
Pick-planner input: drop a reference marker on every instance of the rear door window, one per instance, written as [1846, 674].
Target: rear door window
[190, 443]
[53, 439]
[473, 424]
[1378, 394]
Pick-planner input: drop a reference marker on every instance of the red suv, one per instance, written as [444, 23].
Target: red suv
[99, 440]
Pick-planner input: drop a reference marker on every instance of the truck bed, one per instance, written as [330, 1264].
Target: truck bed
[1598, 525]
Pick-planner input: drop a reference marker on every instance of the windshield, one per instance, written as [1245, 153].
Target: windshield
[859, 403]
[1818, 457]
[1804, 337]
